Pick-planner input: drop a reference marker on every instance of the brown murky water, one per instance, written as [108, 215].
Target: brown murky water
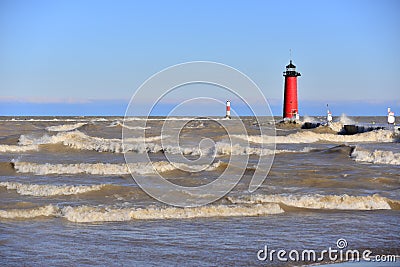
[67, 197]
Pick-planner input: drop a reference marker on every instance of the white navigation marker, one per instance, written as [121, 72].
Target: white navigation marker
[228, 109]
[390, 117]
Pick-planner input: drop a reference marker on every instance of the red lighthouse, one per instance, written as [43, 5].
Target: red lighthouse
[290, 106]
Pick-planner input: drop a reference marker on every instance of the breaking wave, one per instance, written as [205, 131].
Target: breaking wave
[255, 205]
[196, 125]
[109, 168]
[376, 156]
[338, 125]
[50, 190]
[328, 202]
[312, 137]
[228, 149]
[65, 127]
[49, 210]
[346, 120]
[110, 214]
[90, 214]
[17, 148]
[79, 140]
[310, 119]
[120, 124]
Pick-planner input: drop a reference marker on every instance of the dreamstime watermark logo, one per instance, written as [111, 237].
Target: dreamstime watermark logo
[207, 150]
[339, 253]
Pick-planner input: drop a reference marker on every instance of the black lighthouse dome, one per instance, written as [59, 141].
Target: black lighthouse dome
[291, 70]
[291, 65]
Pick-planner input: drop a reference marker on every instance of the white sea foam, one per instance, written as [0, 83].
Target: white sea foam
[337, 126]
[17, 148]
[49, 210]
[108, 168]
[93, 214]
[49, 190]
[95, 168]
[376, 156]
[65, 127]
[255, 205]
[312, 137]
[236, 149]
[79, 140]
[98, 120]
[109, 214]
[346, 120]
[221, 148]
[310, 119]
[331, 202]
[120, 124]
[196, 126]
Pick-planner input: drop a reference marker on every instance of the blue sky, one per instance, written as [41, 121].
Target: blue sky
[89, 57]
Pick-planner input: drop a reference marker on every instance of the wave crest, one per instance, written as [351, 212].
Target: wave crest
[119, 124]
[329, 202]
[376, 156]
[49, 210]
[92, 214]
[65, 127]
[312, 137]
[50, 190]
[109, 168]
[79, 140]
[110, 214]
[17, 148]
